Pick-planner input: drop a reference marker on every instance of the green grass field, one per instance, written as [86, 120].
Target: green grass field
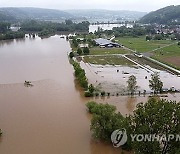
[103, 51]
[169, 55]
[107, 60]
[141, 45]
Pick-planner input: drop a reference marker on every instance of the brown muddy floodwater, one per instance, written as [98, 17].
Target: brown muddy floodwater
[50, 117]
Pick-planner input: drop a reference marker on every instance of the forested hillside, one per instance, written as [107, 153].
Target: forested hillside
[167, 15]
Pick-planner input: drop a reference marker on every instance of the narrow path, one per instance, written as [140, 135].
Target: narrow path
[164, 46]
[147, 69]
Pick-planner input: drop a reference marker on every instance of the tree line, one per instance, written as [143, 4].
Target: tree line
[68, 25]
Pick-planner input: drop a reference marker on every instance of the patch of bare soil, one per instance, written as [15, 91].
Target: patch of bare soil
[173, 60]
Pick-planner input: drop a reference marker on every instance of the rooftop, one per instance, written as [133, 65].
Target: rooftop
[101, 41]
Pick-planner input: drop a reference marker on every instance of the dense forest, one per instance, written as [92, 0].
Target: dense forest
[167, 15]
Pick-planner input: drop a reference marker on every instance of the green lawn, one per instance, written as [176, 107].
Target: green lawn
[107, 60]
[103, 51]
[169, 55]
[141, 45]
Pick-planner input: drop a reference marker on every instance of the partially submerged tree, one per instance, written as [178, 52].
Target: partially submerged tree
[156, 117]
[105, 120]
[91, 88]
[155, 83]
[160, 117]
[132, 84]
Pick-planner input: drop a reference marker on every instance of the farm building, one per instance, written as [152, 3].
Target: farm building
[104, 43]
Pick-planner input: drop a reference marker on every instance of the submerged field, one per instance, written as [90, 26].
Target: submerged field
[140, 44]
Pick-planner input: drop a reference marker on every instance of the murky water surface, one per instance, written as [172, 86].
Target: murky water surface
[93, 28]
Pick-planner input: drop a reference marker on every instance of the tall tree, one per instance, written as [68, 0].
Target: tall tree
[160, 117]
[155, 83]
[86, 50]
[79, 51]
[132, 84]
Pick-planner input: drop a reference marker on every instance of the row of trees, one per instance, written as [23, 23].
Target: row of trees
[12, 35]
[80, 75]
[85, 51]
[125, 31]
[155, 83]
[33, 25]
[154, 117]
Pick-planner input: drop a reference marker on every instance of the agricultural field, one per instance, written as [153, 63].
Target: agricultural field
[104, 51]
[169, 55]
[107, 60]
[141, 45]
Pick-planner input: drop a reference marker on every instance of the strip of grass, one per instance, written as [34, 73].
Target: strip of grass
[172, 50]
[141, 45]
[103, 51]
[107, 60]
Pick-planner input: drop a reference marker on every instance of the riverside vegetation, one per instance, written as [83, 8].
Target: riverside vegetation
[43, 28]
[154, 117]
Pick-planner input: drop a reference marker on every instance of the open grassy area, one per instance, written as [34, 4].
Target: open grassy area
[107, 60]
[169, 55]
[141, 45]
[103, 51]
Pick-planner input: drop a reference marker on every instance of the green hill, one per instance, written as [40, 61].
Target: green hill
[12, 13]
[167, 15]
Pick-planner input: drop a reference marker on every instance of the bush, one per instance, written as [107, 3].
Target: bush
[91, 105]
[79, 51]
[88, 94]
[96, 94]
[91, 88]
[86, 51]
[71, 55]
[103, 93]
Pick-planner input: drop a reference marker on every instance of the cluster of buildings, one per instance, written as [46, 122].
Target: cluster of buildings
[167, 30]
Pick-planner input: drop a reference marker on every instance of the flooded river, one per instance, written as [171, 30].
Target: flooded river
[93, 28]
[50, 117]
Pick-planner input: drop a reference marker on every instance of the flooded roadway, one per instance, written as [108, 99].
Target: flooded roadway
[50, 117]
